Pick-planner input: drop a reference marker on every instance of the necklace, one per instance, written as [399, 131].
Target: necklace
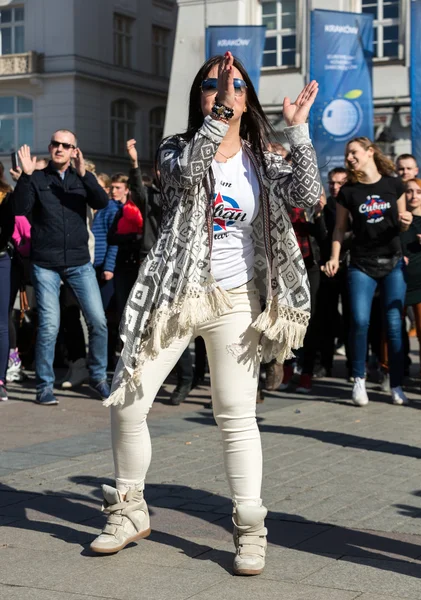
[228, 157]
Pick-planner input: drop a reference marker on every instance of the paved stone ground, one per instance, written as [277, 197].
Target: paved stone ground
[342, 484]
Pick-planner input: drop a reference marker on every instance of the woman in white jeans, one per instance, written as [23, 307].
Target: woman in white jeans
[226, 241]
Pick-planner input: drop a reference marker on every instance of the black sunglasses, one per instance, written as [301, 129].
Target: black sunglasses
[56, 144]
[209, 86]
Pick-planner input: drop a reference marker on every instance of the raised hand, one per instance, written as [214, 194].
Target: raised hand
[28, 163]
[16, 173]
[132, 152]
[79, 163]
[296, 113]
[226, 95]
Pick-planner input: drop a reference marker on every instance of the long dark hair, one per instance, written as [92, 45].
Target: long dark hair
[255, 127]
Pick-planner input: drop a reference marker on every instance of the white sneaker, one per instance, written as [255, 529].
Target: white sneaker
[385, 383]
[14, 367]
[359, 393]
[128, 520]
[398, 396]
[76, 375]
[249, 539]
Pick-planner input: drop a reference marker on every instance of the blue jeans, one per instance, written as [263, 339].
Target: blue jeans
[4, 314]
[361, 293]
[83, 282]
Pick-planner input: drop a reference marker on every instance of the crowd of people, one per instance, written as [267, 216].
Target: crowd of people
[227, 246]
[361, 245]
[367, 228]
[78, 238]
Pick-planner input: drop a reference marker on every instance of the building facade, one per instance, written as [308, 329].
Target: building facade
[286, 56]
[97, 67]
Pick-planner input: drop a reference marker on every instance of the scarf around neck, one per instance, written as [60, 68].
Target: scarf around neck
[176, 291]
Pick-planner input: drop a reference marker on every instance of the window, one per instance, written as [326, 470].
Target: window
[122, 40]
[160, 51]
[156, 129]
[386, 26]
[123, 121]
[16, 123]
[280, 18]
[11, 31]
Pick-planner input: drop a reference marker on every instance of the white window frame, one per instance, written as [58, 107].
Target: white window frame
[156, 129]
[15, 116]
[161, 51]
[379, 25]
[122, 34]
[280, 33]
[129, 125]
[12, 25]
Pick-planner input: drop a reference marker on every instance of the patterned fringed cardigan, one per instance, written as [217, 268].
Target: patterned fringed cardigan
[175, 289]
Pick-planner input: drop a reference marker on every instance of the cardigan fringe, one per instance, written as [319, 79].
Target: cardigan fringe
[168, 324]
[282, 328]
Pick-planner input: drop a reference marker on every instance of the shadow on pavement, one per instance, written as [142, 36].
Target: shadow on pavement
[337, 438]
[285, 530]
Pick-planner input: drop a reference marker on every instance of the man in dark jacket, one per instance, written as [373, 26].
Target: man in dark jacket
[57, 198]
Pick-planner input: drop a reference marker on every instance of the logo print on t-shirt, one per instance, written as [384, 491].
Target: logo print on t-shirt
[374, 208]
[226, 213]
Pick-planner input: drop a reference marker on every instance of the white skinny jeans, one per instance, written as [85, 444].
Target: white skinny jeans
[234, 387]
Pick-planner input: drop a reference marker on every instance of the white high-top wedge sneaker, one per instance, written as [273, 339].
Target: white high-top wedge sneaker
[128, 520]
[249, 539]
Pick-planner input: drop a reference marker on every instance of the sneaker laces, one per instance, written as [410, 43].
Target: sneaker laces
[359, 384]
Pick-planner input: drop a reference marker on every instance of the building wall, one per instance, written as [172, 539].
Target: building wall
[390, 79]
[390, 84]
[77, 80]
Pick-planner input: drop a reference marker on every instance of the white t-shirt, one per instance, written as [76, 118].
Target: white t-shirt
[236, 204]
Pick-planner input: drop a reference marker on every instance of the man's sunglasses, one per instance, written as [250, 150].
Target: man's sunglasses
[210, 86]
[56, 144]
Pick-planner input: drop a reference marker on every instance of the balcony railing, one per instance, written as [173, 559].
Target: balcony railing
[26, 63]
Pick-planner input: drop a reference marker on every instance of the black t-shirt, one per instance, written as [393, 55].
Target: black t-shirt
[374, 211]
[412, 249]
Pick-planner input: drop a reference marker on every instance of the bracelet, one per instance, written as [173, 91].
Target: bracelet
[220, 110]
[218, 118]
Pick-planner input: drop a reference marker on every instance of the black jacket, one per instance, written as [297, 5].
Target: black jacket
[152, 215]
[329, 214]
[59, 236]
[148, 200]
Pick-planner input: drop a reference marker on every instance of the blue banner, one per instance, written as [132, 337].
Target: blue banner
[245, 42]
[415, 78]
[341, 61]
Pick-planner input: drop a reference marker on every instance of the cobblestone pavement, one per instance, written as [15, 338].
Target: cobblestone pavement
[342, 484]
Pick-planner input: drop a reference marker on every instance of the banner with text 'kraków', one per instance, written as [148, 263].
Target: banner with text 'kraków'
[416, 78]
[245, 42]
[341, 53]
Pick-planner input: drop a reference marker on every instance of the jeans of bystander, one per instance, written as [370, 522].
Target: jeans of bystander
[361, 291]
[82, 280]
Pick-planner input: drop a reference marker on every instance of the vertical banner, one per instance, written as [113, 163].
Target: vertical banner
[245, 42]
[341, 61]
[415, 78]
